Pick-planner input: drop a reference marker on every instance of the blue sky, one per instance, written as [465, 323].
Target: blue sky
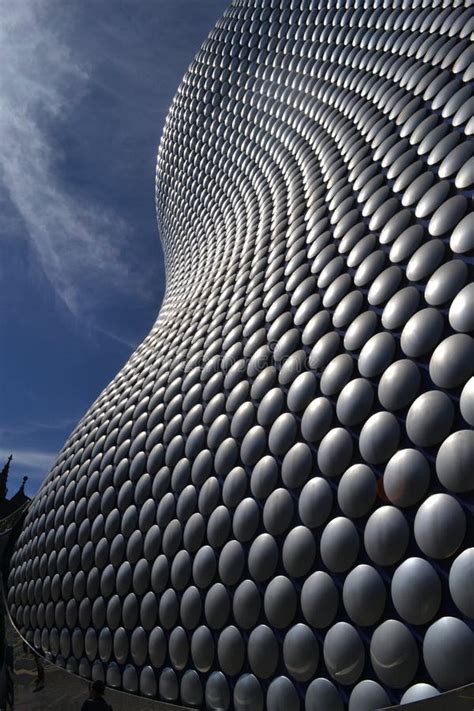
[84, 91]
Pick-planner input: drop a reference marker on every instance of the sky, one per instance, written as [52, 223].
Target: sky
[84, 92]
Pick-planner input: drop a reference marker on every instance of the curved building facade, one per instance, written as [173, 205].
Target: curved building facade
[268, 507]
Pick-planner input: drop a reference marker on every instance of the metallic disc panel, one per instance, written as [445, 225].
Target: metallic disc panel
[267, 508]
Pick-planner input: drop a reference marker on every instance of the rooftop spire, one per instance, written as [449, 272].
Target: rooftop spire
[4, 479]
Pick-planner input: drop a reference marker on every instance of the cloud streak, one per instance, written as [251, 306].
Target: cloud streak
[83, 246]
[32, 463]
[29, 427]
[30, 458]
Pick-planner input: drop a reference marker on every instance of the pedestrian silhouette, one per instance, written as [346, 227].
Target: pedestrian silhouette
[39, 683]
[96, 701]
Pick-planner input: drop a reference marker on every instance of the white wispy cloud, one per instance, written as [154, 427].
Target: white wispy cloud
[29, 427]
[29, 459]
[81, 245]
